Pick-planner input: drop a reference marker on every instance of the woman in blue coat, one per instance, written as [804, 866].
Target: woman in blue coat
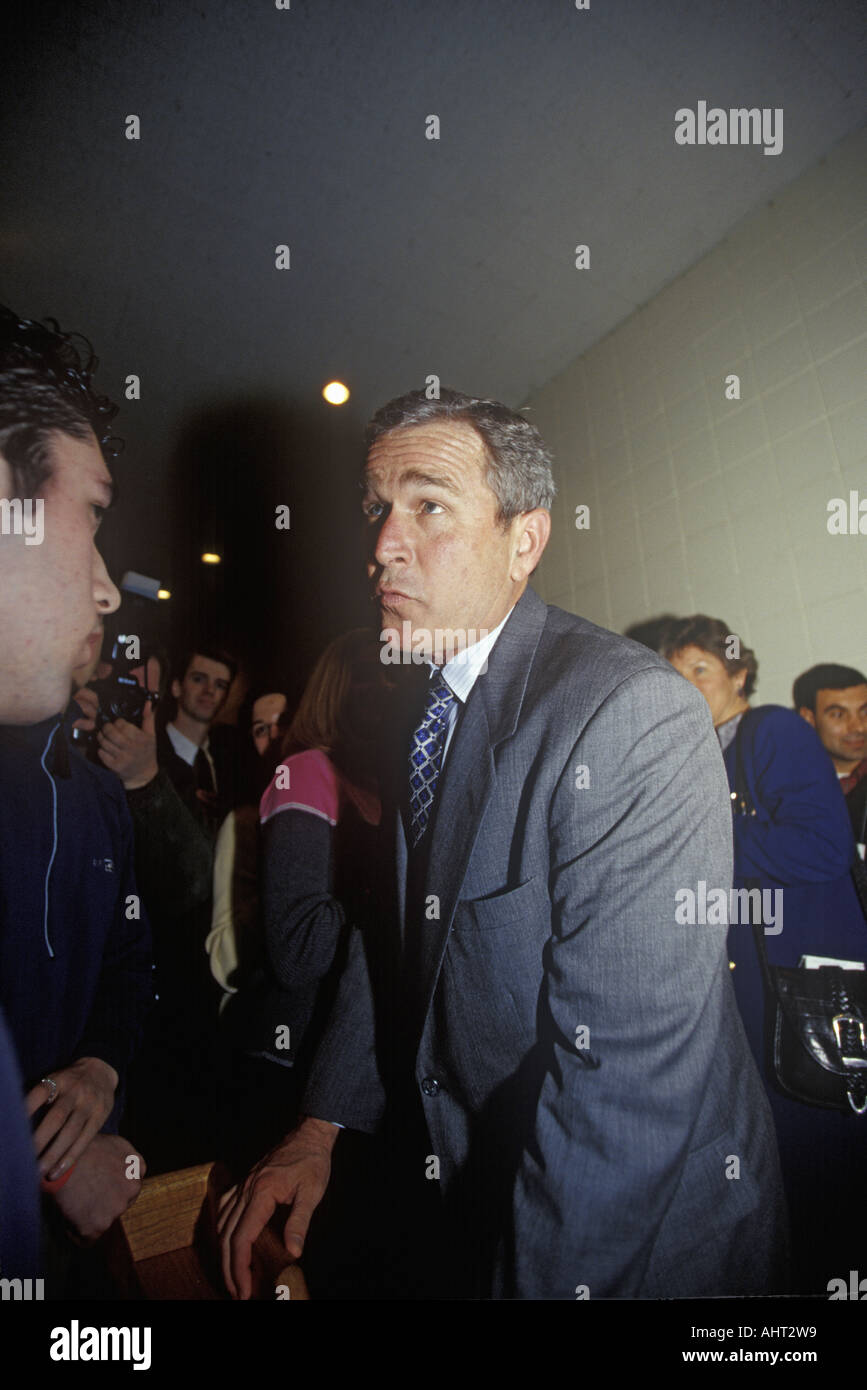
[799, 841]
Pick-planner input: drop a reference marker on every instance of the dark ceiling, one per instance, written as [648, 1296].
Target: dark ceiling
[409, 257]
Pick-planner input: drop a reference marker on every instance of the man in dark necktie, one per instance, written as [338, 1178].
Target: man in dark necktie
[200, 773]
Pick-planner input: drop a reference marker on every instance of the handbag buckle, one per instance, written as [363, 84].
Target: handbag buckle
[837, 1021]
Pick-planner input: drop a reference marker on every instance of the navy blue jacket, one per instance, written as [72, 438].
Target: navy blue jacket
[801, 841]
[75, 949]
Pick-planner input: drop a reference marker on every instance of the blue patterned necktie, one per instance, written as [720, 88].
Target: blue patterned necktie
[426, 756]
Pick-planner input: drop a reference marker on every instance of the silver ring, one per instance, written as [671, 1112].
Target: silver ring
[52, 1089]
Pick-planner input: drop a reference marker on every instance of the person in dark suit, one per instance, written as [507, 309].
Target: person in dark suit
[556, 1068]
[176, 776]
[198, 755]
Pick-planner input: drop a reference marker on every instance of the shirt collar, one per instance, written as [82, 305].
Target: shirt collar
[850, 780]
[464, 669]
[726, 732]
[183, 746]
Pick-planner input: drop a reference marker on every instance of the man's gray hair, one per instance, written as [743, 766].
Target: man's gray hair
[518, 460]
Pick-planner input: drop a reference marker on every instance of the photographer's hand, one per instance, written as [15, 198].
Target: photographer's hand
[129, 751]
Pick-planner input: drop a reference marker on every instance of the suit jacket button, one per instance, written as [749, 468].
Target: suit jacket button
[430, 1085]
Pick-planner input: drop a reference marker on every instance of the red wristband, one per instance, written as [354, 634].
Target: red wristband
[57, 1183]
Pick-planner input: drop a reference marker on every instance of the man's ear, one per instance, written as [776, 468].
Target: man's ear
[534, 531]
[176, 689]
[808, 715]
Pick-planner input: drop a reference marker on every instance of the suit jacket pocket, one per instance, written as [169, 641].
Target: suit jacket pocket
[513, 907]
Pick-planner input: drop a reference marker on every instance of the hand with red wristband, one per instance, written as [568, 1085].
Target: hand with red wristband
[100, 1186]
[58, 1183]
[92, 1177]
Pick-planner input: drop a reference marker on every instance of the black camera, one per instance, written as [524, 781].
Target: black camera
[120, 697]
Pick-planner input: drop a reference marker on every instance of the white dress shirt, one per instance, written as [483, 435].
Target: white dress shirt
[461, 673]
[186, 749]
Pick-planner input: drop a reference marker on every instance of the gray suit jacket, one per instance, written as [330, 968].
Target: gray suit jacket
[583, 787]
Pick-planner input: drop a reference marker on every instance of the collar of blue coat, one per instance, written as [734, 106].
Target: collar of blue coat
[45, 739]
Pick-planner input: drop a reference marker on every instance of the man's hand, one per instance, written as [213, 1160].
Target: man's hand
[295, 1174]
[82, 1104]
[88, 701]
[99, 1190]
[129, 751]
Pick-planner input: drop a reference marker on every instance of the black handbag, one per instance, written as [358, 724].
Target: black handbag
[815, 1020]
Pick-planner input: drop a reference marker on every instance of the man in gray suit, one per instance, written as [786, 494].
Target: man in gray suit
[569, 1104]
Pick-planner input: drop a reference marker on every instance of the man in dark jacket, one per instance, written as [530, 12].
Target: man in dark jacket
[176, 789]
[75, 972]
[200, 759]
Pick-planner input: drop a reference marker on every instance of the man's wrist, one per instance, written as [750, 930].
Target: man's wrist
[113, 1076]
[327, 1130]
[134, 784]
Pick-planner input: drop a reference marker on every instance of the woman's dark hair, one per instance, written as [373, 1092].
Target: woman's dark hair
[258, 692]
[257, 769]
[46, 387]
[716, 637]
[328, 715]
[652, 632]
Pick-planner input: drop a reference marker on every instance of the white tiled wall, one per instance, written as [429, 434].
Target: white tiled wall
[701, 504]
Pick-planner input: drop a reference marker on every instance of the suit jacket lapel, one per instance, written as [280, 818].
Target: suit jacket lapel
[466, 783]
